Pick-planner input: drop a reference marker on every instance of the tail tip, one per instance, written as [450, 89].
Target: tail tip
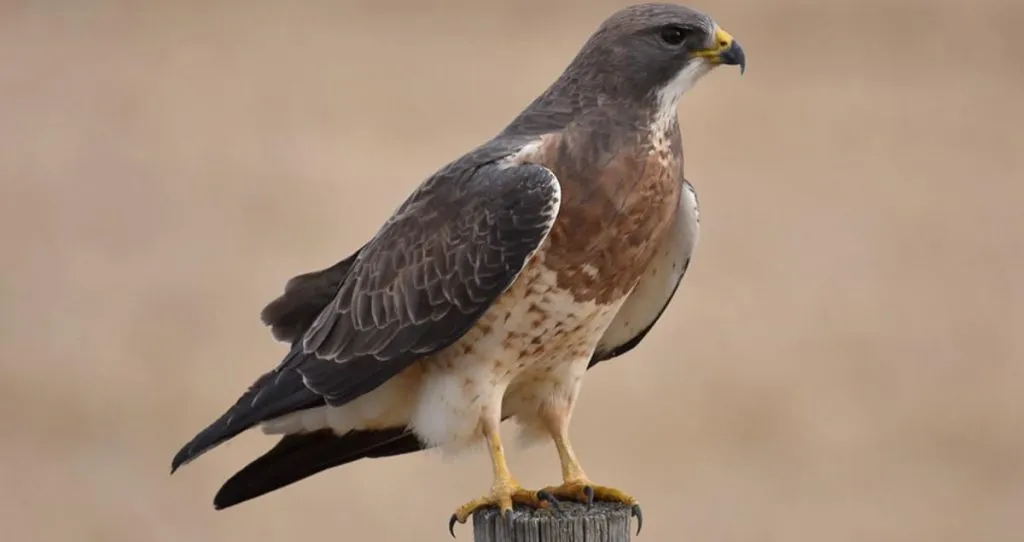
[225, 498]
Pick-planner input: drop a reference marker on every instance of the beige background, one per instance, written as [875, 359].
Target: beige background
[843, 362]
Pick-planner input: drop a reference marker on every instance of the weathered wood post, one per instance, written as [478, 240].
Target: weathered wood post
[571, 522]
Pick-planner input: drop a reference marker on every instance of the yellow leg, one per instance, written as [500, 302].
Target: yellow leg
[575, 484]
[571, 468]
[505, 491]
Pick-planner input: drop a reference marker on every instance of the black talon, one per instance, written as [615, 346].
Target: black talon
[451, 525]
[639, 515]
[508, 515]
[544, 496]
[588, 492]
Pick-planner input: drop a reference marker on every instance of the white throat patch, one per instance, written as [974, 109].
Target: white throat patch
[668, 97]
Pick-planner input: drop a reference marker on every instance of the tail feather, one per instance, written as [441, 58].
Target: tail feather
[304, 297]
[299, 456]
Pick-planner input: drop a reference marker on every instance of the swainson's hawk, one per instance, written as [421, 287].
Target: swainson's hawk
[494, 287]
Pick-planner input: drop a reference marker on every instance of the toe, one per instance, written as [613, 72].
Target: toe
[613, 495]
[505, 507]
[463, 513]
[574, 491]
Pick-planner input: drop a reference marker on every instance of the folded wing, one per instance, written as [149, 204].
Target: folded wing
[428, 275]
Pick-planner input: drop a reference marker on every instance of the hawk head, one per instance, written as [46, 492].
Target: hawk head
[653, 52]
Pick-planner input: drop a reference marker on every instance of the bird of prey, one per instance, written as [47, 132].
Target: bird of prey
[498, 283]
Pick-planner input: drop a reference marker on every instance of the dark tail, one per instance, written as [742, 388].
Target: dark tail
[299, 456]
[273, 394]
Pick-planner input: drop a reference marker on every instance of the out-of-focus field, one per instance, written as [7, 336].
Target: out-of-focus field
[844, 361]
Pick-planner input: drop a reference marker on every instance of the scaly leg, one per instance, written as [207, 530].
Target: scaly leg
[575, 484]
[505, 490]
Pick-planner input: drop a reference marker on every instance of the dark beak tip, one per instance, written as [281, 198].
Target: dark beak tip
[734, 56]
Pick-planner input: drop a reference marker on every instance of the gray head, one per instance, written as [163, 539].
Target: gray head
[651, 53]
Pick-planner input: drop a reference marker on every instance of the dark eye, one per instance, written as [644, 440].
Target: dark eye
[673, 35]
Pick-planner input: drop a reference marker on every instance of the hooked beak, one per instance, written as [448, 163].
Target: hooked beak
[726, 51]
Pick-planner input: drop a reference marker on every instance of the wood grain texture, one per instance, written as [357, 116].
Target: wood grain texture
[603, 522]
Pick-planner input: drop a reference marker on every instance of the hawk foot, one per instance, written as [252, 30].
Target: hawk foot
[586, 492]
[502, 497]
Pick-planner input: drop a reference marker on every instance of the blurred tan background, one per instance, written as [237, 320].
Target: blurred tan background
[844, 362]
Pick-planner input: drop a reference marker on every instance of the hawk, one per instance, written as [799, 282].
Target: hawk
[498, 283]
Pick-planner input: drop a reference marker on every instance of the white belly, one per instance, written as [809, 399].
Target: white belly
[531, 347]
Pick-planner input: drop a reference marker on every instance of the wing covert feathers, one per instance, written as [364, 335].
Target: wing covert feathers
[427, 276]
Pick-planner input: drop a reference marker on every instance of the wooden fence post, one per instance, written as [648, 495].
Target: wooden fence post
[572, 522]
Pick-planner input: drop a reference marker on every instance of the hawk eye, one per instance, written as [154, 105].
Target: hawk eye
[673, 35]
